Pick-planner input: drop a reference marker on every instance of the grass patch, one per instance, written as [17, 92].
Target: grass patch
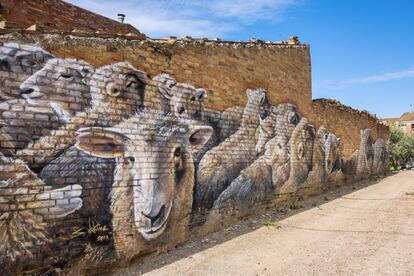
[270, 223]
[293, 206]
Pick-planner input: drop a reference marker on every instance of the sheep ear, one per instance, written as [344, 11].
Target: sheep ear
[262, 99]
[165, 84]
[101, 142]
[260, 120]
[293, 118]
[86, 72]
[339, 142]
[199, 135]
[300, 151]
[113, 90]
[201, 94]
[165, 91]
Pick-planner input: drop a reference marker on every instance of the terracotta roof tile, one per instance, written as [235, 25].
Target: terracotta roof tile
[57, 15]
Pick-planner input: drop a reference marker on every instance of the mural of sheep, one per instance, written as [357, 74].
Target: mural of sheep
[365, 153]
[143, 156]
[360, 163]
[161, 100]
[281, 121]
[26, 205]
[52, 96]
[257, 183]
[60, 84]
[259, 180]
[181, 99]
[379, 163]
[94, 174]
[154, 177]
[223, 163]
[301, 155]
[117, 93]
[17, 63]
[326, 157]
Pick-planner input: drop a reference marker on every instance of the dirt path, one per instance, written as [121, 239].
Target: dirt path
[368, 232]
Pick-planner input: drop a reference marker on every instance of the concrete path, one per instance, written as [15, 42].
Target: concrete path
[368, 232]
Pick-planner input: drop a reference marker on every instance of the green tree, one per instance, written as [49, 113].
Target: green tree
[401, 148]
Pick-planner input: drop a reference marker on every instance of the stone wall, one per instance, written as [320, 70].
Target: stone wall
[346, 122]
[113, 148]
[225, 69]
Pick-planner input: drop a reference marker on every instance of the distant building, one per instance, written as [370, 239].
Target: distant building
[57, 15]
[405, 122]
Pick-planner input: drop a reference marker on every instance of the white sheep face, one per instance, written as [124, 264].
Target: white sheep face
[60, 84]
[18, 62]
[154, 159]
[118, 86]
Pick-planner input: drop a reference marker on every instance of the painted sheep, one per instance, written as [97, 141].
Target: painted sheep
[117, 93]
[61, 84]
[151, 195]
[181, 100]
[326, 165]
[380, 161]
[365, 153]
[222, 164]
[281, 121]
[360, 163]
[26, 205]
[301, 155]
[257, 183]
[51, 97]
[17, 63]
[326, 152]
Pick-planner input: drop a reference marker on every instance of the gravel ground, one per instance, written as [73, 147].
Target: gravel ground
[366, 230]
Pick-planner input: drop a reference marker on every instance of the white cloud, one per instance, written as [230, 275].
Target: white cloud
[198, 18]
[409, 73]
[252, 10]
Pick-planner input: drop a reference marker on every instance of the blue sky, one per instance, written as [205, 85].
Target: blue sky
[362, 51]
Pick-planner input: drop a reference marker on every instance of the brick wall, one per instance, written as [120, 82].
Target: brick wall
[346, 123]
[284, 70]
[112, 148]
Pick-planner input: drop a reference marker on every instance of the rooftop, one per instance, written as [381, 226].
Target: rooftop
[407, 116]
[57, 15]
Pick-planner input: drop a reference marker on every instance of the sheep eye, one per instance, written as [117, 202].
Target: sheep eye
[66, 76]
[28, 62]
[262, 100]
[4, 65]
[131, 159]
[177, 152]
[170, 84]
[193, 99]
[279, 145]
[130, 84]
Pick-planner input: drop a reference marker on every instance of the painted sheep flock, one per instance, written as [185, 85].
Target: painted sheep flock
[142, 157]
